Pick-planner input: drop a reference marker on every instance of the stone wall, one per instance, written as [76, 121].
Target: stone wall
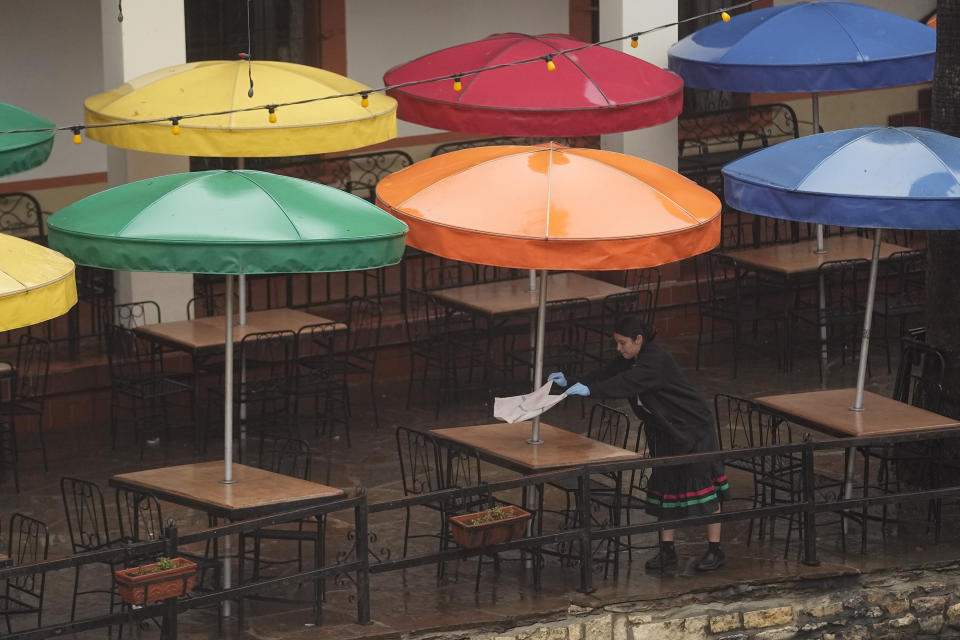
[879, 606]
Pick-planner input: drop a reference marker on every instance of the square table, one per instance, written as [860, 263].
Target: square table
[201, 337]
[829, 412]
[796, 258]
[506, 445]
[255, 492]
[505, 297]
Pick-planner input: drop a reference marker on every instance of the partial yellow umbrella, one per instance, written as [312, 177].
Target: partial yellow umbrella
[319, 126]
[36, 283]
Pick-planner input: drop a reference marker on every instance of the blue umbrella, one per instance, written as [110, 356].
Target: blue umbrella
[807, 47]
[873, 177]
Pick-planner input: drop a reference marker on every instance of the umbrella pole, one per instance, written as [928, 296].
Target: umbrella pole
[815, 107]
[228, 386]
[538, 357]
[867, 321]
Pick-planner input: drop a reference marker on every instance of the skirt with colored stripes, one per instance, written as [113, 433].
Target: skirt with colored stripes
[685, 491]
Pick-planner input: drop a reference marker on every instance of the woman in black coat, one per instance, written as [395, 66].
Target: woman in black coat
[677, 422]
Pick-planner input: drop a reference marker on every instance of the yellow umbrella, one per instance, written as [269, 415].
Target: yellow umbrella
[321, 126]
[36, 283]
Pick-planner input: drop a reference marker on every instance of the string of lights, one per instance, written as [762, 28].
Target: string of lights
[364, 94]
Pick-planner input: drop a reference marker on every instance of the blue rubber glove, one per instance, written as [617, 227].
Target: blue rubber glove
[578, 390]
[558, 378]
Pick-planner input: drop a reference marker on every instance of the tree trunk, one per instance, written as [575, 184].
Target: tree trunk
[943, 271]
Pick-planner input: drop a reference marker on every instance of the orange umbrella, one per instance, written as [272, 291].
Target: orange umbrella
[551, 207]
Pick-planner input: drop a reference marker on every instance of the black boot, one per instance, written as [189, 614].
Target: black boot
[665, 559]
[714, 558]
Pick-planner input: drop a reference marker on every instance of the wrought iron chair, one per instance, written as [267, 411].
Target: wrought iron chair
[316, 378]
[87, 524]
[139, 516]
[26, 395]
[734, 420]
[137, 377]
[419, 456]
[729, 294]
[131, 315]
[647, 279]
[597, 330]
[562, 340]
[361, 349]
[28, 542]
[901, 294]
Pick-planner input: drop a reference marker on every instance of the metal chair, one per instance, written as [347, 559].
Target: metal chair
[28, 542]
[210, 304]
[844, 284]
[647, 279]
[131, 315]
[316, 378]
[139, 516]
[360, 352]
[901, 294]
[21, 216]
[729, 294]
[26, 395]
[597, 330]
[87, 524]
[136, 376]
[419, 456]
[733, 415]
[562, 340]
[263, 392]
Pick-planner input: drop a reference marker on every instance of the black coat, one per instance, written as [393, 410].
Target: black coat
[676, 418]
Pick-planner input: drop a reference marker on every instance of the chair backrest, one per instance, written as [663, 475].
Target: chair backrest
[288, 456]
[903, 280]
[451, 273]
[491, 273]
[562, 320]
[33, 367]
[845, 286]
[131, 315]
[317, 343]
[647, 279]
[128, 357]
[920, 375]
[460, 468]
[86, 514]
[364, 320]
[21, 216]
[718, 281]
[139, 516]
[609, 425]
[423, 317]
[211, 304]
[269, 355]
[419, 456]
[29, 541]
[640, 303]
[733, 414]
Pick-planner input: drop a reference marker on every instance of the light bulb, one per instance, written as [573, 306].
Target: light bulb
[725, 16]
[551, 65]
[634, 42]
[457, 85]
[273, 115]
[76, 136]
[364, 101]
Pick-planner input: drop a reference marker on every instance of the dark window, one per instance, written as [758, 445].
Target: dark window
[217, 29]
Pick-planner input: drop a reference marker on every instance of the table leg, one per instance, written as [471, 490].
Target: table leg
[199, 437]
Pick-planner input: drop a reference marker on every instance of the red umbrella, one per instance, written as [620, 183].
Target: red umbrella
[592, 91]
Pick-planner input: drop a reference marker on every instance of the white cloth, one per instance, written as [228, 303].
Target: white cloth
[519, 408]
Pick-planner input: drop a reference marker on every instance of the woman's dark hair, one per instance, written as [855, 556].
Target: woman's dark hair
[632, 326]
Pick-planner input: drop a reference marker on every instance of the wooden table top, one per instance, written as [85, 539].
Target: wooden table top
[513, 296]
[199, 485]
[799, 257]
[506, 444]
[829, 411]
[208, 333]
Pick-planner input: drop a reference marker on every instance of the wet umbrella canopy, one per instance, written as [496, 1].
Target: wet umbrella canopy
[874, 177]
[23, 151]
[591, 91]
[227, 222]
[551, 208]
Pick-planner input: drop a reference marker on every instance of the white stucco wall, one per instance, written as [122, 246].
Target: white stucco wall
[51, 60]
[385, 33]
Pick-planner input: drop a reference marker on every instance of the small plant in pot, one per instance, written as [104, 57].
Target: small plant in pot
[489, 527]
[160, 580]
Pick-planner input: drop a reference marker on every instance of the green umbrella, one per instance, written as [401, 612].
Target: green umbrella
[22, 151]
[227, 222]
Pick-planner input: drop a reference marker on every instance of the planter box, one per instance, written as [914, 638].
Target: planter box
[144, 588]
[475, 536]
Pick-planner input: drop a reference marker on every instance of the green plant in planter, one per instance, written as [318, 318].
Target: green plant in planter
[162, 564]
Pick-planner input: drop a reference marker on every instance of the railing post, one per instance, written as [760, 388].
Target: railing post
[361, 515]
[586, 525]
[809, 513]
[170, 544]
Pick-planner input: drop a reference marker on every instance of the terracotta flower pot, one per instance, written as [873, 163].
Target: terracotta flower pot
[143, 585]
[485, 534]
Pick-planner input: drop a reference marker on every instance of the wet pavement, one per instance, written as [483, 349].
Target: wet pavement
[414, 599]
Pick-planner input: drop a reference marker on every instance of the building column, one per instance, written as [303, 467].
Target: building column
[622, 17]
[151, 37]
